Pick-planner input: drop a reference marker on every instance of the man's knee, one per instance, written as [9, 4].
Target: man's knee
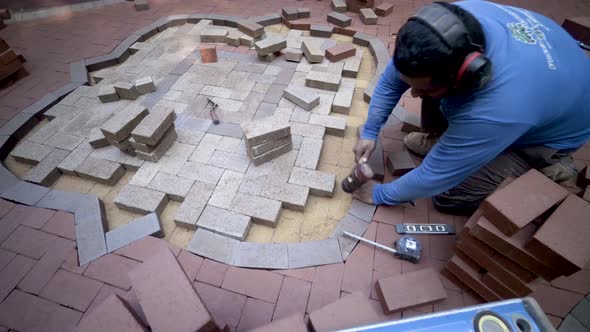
[448, 204]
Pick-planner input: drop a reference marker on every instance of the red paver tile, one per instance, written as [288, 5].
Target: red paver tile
[128, 296]
[29, 242]
[5, 257]
[40, 274]
[294, 323]
[113, 314]
[259, 284]
[25, 312]
[358, 270]
[349, 311]
[112, 269]
[225, 306]
[391, 215]
[71, 263]
[5, 207]
[326, 286]
[415, 215]
[212, 272]
[7, 227]
[471, 278]
[167, 297]
[143, 249]
[471, 299]
[292, 298]
[256, 313]
[30, 216]
[556, 301]
[384, 261]
[190, 263]
[578, 282]
[554, 320]
[13, 273]
[61, 224]
[442, 246]
[71, 290]
[454, 300]
[306, 273]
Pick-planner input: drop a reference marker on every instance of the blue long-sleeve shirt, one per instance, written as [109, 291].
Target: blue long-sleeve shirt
[539, 95]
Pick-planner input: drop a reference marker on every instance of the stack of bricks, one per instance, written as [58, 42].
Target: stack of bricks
[266, 139]
[530, 227]
[10, 63]
[154, 135]
[117, 130]
[126, 90]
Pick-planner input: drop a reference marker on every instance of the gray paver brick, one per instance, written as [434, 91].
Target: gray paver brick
[205, 149]
[233, 38]
[126, 90]
[334, 125]
[97, 139]
[224, 222]
[247, 41]
[309, 153]
[313, 253]
[30, 153]
[189, 136]
[226, 189]
[176, 187]
[271, 154]
[266, 129]
[338, 6]
[99, 170]
[293, 54]
[351, 224]
[23, 192]
[232, 161]
[270, 145]
[213, 246]
[320, 30]
[352, 66]
[268, 46]
[307, 130]
[145, 85]
[145, 174]
[290, 13]
[292, 196]
[339, 19]
[133, 231]
[123, 122]
[159, 150]
[319, 183]
[261, 255]
[190, 210]
[201, 172]
[302, 97]
[216, 91]
[64, 141]
[46, 172]
[152, 128]
[313, 52]
[362, 210]
[262, 210]
[368, 16]
[90, 231]
[250, 28]
[254, 179]
[226, 129]
[107, 94]
[140, 200]
[324, 81]
[343, 100]
[75, 158]
[213, 35]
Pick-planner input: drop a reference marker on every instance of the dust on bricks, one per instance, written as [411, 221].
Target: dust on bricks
[102, 171]
[46, 172]
[339, 19]
[368, 16]
[343, 100]
[140, 200]
[319, 183]
[214, 35]
[338, 6]
[396, 293]
[107, 94]
[334, 125]
[212, 245]
[30, 153]
[290, 13]
[302, 97]
[400, 163]
[268, 46]
[111, 315]
[133, 231]
[224, 222]
[352, 66]
[293, 54]
[262, 210]
[90, 231]
[340, 52]
[190, 210]
[312, 51]
[251, 28]
[263, 130]
[176, 187]
[151, 129]
[145, 85]
[384, 9]
[119, 127]
[292, 196]
[324, 81]
[261, 255]
[167, 297]
[126, 90]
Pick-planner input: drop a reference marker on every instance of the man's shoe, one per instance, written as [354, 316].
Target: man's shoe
[420, 143]
[562, 170]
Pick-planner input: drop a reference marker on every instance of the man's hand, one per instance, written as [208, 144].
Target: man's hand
[365, 192]
[363, 149]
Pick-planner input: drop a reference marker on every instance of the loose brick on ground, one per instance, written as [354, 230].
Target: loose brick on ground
[312, 51]
[271, 154]
[111, 315]
[307, 130]
[320, 30]
[400, 163]
[99, 170]
[471, 278]
[343, 100]
[368, 16]
[152, 128]
[71, 290]
[584, 178]
[61, 224]
[30, 153]
[339, 19]
[324, 81]
[176, 187]
[269, 46]
[46, 172]
[263, 130]
[351, 310]
[208, 53]
[338, 6]
[384, 9]
[257, 150]
[353, 225]
[190, 210]
[262, 210]
[319, 183]
[309, 153]
[126, 90]
[140, 200]
[224, 222]
[250, 28]
[145, 85]
[293, 54]
[213, 35]
[398, 293]
[340, 52]
[133, 231]
[123, 122]
[334, 125]
[290, 13]
[107, 94]
[302, 97]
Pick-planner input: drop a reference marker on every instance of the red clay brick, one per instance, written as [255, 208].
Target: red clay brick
[292, 298]
[555, 321]
[471, 298]
[71, 290]
[562, 240]
[25, 312]
[415, 215]
[349, 311]
[61, 224]
[384, 261]
[71, 263]
[470, 278]
[190, 263]
[13, 273]
[441, 246]
[577, 282]
[225, 306]
[128, 296]
[397, 293]
[294, 323]
[306, 273]
[212, 272]
[7, 227]
[358, 269]
[345, 31]
[326, 286]
[556, 301]
[5, 207]
[454, 300]
[391, 215]
[340, 52]
[513, 247]
[498, 287]
[112, 269]
[5, 257]
[208, 53]
[113, 314]
[29, 242]
[259, 284]
[167, 297]
[143, 249]
[522, 201]
[30, 216]
[40, 274]
[256, 313]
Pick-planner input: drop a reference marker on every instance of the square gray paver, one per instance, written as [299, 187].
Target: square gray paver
[213, 35]
[140, 200]
[262, 210]
[126, 90]
[213, 246]
[351, 224]
[190, 210]
[319, 183]
[175, 186]
[343, 100]
[313, 253]
[100, 170]
[133, 231]
[261, 255]
[145, 85]
[224, 222]
[352, 66]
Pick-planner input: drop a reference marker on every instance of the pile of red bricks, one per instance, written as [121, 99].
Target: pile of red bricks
[529, 229]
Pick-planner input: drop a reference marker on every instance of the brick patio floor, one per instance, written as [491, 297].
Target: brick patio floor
[38, 273]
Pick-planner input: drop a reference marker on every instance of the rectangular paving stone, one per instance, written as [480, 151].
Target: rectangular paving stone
[157, 152]
[351, 224]
[90, 231]
[201, 172]
[334, 125]
[309, 153]
[97, 139]
[400, 163]
[268, 46]
[22, 191]
[111, 314]
[338, 6]
[224, 222]
[324, 81]
[126, 90]
[213, 246]
[266, 129]
[107, 94]
[312, 51]
[302, 97]
[319, 183]
[320, 30]
[343, 101]
[313, 253]
[176, 187]
[261, 255]
[292, 196]
[133, 231]
[396, 294]
[251, 28]
[340, 52]
[384, 9]
[46, 172]
[293, 54]
[307, 130]
[64, 141]
[471, 278]
[213, 35]
[290, 13]
[145, 85]
[13, 273]
[160, 284]
[368, 16]
[339, 19]
[119, 127]
[352, 67]
[271, 154]
[238, 162]
[140, 200]
[262, 210]
[257, 150]
[152, 128]
[190, 210]
[233, 38]
[30, 153]
[226, 189]
[99, 170]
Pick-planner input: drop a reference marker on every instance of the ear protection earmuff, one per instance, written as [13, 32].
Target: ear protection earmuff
[476, 69]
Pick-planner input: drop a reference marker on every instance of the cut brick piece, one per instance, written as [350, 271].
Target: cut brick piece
[579, 28]
[213, 35]
[352, 310]
[145, 85]
[334, 125]
[107, 94]
[262, 210]
[319, 183]
[324, 81]
[397, 293]
[400, 163]
[351, 67]
[263, 130]
[271, 154]
[384, 9]
[351, 224]
[119, 127]
[140, 200]
[312, 50]
[99, 170]
[340, 52]
[212, 245]
[338, 6]
[133, 231]
[90, 231]
[293, 54]
[290, 13]
[471, 278]
[190, 210]
[261, 255]
[368, 16]
[46, 172]
[302, 97]
[522, 201]
[154, 154]
[224, 222]
[339, 19]
[250, 28]
[176, 187]
[561, 241]
[126, 90]
[313, 253]
[343, 100]
[208, 53]
[167, 297]
[152, 128]
[269, 46]
[111, 315]
[292, 196]
[320, 30]
[30, 153]
[309, 153]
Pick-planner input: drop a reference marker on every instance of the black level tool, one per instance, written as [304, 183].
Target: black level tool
[443, 229]
[407, 248]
